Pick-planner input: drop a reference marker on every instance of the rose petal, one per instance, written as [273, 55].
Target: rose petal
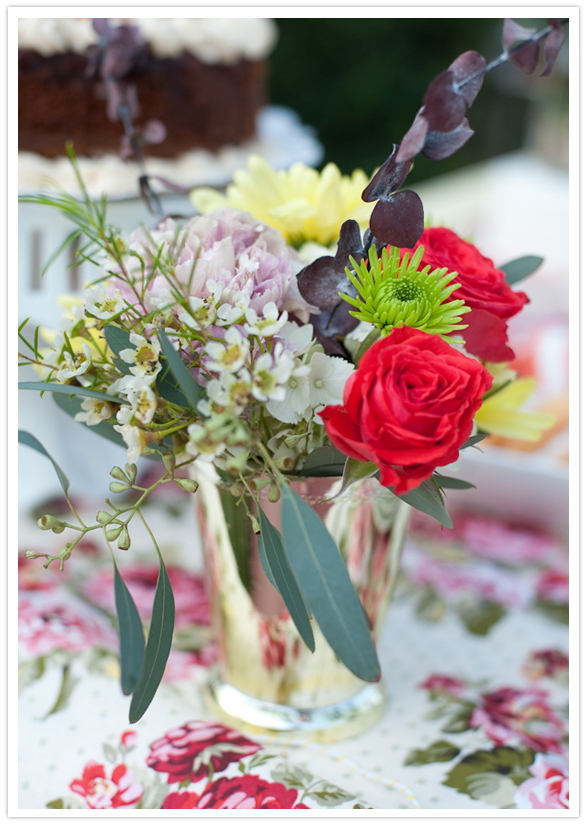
[486, 336]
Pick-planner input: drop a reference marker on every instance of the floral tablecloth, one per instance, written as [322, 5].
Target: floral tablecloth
[474, 655]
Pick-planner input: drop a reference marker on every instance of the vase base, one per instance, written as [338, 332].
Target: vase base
[325, 724]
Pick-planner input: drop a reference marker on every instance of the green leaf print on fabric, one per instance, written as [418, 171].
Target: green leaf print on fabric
[441, 751]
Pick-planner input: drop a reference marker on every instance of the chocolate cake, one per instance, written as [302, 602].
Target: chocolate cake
[203, 78]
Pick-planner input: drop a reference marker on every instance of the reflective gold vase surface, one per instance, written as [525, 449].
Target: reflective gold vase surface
[266, 680]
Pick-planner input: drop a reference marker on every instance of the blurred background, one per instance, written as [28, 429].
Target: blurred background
[355, 85]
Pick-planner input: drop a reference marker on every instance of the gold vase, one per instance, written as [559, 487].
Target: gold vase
[266, 679]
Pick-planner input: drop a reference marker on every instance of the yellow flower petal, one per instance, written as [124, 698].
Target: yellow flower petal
[500, 415]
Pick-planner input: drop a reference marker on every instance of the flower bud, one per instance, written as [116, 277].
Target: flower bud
[124, 540]
[259, 483]
[103, 517]
[237, 489]
[255, 523]
[118, 487]
[169, 461]
[274, 493]
[32, 554]
[113, 532]
[51, 523]
[118, 472]
[187, 484]
[66, 552]
[285, 462]
[131, 472]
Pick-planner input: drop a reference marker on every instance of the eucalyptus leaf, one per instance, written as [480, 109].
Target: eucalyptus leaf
[187, 385]
[167, 389]
[157, 648]
[281, 576]
[356, 471]
[67, 389]
[472, 440]
[520, 268]
[324, 461]
[130, 631]
[117, 338]
[448, 483]
[324, 581]
[427, 499]
[27, 438]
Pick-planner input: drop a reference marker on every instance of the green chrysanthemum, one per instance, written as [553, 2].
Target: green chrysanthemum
[395, 294]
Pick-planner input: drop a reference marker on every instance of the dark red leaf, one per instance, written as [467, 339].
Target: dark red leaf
[114, 99]
[552, 46]
[398, 220]
[486, 336]
[414, 139]
[464, 66]
[388, 178]
[444, 108]
[126, 151]
[527, 57]
[441, 145]
[321, 281]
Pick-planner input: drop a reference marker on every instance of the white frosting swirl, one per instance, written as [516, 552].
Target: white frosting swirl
[213, 40]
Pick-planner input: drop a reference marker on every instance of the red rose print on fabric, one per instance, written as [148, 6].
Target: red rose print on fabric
[547, 663]
[438, 684]
[408, 407]
[186, 753]
[47, 621]
[239, 793]
[549, 785]
[189, 592]
[508, 715]
[99, 791]
[482, 287]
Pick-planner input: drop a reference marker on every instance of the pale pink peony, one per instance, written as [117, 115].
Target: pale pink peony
[232, 248]
[549, 785]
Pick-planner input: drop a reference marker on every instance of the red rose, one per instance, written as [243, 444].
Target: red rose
[408, 407]
[185, 753]
[482, 287]
[241, 792]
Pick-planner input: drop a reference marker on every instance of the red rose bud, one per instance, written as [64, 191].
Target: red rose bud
[408, 407]
[482, 287]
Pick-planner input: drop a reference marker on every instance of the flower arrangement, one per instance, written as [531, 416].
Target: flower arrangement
[240, 341]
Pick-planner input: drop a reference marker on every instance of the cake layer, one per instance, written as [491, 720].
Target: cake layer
[201, 105]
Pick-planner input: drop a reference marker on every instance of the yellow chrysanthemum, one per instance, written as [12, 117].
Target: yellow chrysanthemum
[499, 414]
[303, 204]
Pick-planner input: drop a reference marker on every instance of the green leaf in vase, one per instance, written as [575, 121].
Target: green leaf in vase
[428, 499]
[356, 471]
[324, 461]
[324, 581]
[130, 631]
[67, 389]
[472, 440]
[157, 647]
[189, 387]
[27, 438]
[281, 576]
[521, 267]
[449, 483]
[117, 339]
